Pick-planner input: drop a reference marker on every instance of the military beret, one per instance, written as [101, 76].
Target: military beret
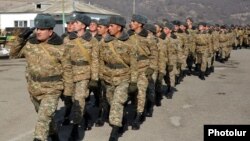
[118, 20]
[139, 18]
[83, 19]
[176, 22]
[44, 21]
[150, 27]
[169, 26]
[104, 22]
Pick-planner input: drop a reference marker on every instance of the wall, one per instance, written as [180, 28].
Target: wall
[7, 20]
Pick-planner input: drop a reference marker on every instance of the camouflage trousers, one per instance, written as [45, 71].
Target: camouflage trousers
[202, 59]
[209, 60]
[222, 52]
[45, 108]
[142, 88]
[81, 93]
[117, 96]
[228, 51]
[172, 75]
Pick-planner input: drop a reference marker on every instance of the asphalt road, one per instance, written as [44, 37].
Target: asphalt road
[223, 98]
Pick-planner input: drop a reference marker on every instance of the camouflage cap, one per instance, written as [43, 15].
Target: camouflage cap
[150, 27]
[139, 18]
[118, 20]
[83, 18]
[169, 26]
[104, 22]
[160, 24]
[94, 21]
[44, 21]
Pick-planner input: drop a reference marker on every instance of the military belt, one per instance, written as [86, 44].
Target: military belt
[80, 63]
[46, 79]
[115, 66]
[142, 57]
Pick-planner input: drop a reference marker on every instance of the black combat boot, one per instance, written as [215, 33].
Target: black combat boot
[189, 71]
[114, 134]
[102, 117]
[212, 69]
[149, 109]
[197, 67]
[75, 133]
[202, 75]
[54, 137]
[37, 139]
[170, 92]
[88, 121]
[207, 72]
[137, 122]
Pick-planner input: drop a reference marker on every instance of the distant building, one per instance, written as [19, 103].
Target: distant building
[23, 16]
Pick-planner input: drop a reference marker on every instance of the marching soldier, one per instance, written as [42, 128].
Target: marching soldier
[102, 31]
[118, 65]
[84, 55]
[202, 43]
[48, 72]
[147, 63]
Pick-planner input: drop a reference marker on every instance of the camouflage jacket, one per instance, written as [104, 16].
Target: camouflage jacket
[201, 42]
[118, 60]
[84, 56]
[146, 50]
[48, 69]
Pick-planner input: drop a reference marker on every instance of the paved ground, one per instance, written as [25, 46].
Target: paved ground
[223, 98]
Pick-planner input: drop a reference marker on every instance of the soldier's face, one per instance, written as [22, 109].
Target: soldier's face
[189, 22]
[201, 27]
[182, 27]
[176, 27]
[114, 29]
[43, 34]
[78, 26]
[158, 28]
[166, 30]
[70, 27]
[93, 27]
[101, 30]
[135, 25]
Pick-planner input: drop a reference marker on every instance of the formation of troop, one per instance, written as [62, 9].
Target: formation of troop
[120, 65]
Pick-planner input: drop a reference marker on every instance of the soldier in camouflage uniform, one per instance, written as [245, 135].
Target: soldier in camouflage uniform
[118, 65]
[48, 72]
[202, 43]
[147, 63]
[70, 26]
[168, 58]
[190, 44]
[102, 31]
[84, 55]
[223, 39]
[181, 38]
[150, 97]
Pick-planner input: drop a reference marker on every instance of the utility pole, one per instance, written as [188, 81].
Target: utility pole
[63, 17]
[133, 6]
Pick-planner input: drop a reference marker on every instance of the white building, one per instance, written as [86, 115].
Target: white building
[23, 16]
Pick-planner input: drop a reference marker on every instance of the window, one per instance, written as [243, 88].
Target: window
[20, 23]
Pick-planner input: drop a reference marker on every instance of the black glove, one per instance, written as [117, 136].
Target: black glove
[170, 68]
[132, 88]
[93, 84]
[160, 77]
[149, 72]
[67, 100]
[26, 33]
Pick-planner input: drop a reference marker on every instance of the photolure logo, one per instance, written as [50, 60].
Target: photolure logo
[223, 132]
